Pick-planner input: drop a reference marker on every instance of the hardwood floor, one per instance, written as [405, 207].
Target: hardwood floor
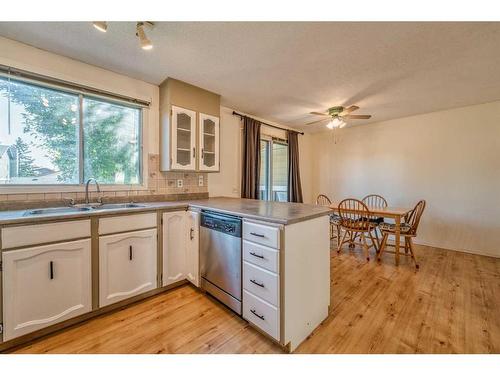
[451, 305]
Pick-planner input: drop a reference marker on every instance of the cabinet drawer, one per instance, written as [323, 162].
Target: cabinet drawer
[262, 234]
[126, 223]
[45, 285]
[262, 283]
[262, 314]
[127, 265]
[261, 256]
[26, 235]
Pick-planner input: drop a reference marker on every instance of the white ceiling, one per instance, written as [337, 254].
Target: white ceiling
[282, 71]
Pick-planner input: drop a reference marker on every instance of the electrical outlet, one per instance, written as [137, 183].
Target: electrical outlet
[200, 180]
[180, 183]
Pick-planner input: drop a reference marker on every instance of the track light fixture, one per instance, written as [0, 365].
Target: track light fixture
[145, 42]
[101, 25]
[139, 32]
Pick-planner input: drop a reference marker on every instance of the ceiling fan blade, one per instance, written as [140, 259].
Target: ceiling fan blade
[317, 121]
[357, 117]
[348, 110]
[319, 113]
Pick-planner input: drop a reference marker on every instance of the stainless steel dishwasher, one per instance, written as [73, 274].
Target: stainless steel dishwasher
[220, 258]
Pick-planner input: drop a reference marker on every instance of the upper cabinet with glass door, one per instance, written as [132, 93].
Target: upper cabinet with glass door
[208, 140]
[183, 139]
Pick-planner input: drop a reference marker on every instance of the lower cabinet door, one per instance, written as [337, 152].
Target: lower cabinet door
[45, 285]
[175, 237]
[193, 249]
[127, 265]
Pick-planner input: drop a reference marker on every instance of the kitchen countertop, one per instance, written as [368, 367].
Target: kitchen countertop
[273, 212]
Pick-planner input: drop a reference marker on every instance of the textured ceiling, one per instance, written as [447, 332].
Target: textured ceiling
[282, 71]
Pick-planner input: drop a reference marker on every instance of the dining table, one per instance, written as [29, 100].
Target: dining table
[389, 212]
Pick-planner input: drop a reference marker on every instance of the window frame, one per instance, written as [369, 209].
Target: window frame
[80, 186]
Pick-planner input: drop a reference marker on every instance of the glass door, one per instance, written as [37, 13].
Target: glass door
[183, 139]
[208, 157]
[273, 169]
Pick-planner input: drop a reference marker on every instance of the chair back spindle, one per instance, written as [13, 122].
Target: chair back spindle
[413, 217]
[375, 200]
[323, 200]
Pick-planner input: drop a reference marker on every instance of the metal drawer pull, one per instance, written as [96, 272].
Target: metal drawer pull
[130, 254]
[256, 283]
[257, 234]
[257, 315]
[191, 234]
[257, 255]
[51, 267]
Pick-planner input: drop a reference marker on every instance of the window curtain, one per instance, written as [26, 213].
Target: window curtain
[250, 172]
[294, 185]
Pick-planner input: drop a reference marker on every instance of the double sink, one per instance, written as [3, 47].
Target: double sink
[80, 208]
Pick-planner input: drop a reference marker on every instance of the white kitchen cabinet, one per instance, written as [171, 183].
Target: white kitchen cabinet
[208, 143]
[183, 139]
[174, 246]
[193, 248]
[45, 285]
[127, 265]
[181, 247]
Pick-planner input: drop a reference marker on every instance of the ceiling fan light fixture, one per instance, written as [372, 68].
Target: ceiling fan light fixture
[145, 42]
[336, 122]
[100, 25]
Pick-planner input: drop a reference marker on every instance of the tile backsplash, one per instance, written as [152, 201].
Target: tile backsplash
[160, 185]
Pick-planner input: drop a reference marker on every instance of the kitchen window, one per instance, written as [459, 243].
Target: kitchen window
[53, 136]
[273, 169]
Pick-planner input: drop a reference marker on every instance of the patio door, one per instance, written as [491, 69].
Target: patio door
[273, 169]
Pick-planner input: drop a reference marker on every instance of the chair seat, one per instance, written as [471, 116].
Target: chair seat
[388, 227]
[377, 220]
[335, 219]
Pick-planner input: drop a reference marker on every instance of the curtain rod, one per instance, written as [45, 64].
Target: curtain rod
[263, 123]
[14, 72]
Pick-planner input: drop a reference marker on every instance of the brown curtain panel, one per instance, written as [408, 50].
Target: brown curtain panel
[250, 172]
[294, 185]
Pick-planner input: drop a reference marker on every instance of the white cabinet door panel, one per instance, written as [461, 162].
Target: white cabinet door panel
[45, 285]
[183, 142]
[127, 265]
[208, 136]
[175, 236]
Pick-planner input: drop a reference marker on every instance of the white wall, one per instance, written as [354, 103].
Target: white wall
[228, 181]
[35, 60]
[449, 158]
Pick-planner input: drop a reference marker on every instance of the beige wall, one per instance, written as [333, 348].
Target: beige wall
[449, 158]
[227, 182]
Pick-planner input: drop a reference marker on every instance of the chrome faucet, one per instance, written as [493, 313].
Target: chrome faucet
[87, 189]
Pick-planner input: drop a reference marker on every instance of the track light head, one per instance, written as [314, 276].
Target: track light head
[100, 25]
[145, 42]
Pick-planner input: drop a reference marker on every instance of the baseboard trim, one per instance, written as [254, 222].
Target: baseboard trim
[467, 251]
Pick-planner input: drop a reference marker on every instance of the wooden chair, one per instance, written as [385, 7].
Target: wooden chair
[375, 200]
[355, 220]
[323, 200]
[408, 229]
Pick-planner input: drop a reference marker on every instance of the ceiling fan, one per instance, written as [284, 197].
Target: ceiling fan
[337, 116]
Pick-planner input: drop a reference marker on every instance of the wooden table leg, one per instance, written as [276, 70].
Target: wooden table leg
[397, 238]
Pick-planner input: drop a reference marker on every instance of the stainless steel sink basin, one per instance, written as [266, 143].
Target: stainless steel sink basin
[80, 208]
[55, 210]
[116, 206]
